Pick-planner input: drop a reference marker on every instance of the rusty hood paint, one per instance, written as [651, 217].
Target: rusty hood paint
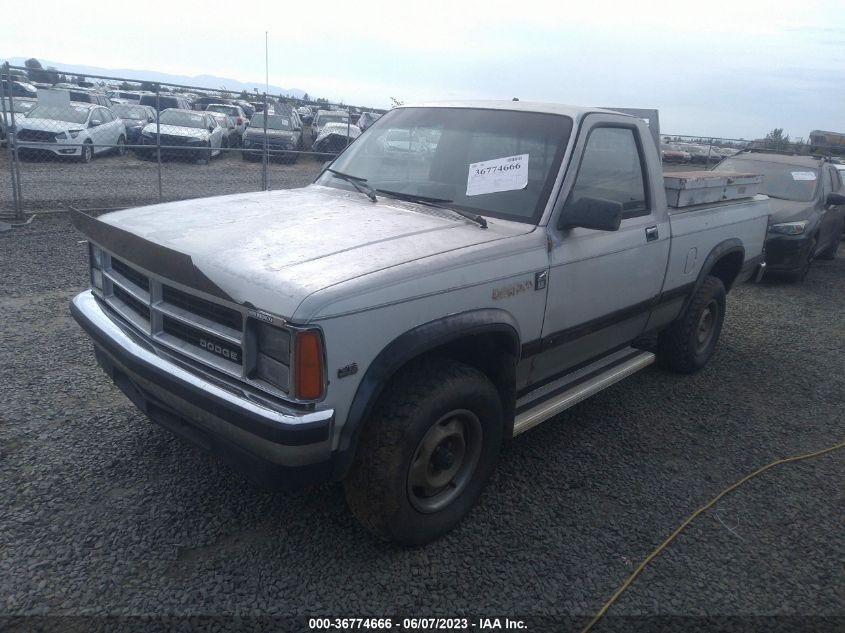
[273, 249]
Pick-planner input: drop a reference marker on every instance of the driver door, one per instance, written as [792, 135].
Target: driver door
[602, 285]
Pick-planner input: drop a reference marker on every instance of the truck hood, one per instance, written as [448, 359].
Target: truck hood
[789, 210]
[271, 250]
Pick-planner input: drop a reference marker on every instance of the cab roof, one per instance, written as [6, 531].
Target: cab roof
[574, 112]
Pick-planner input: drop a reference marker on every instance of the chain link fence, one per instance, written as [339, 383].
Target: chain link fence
[110, 142]
[104, 142]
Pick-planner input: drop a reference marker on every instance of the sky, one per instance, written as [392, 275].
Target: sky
[719, 68]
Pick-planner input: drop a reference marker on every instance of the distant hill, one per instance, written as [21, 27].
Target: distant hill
[211, 82]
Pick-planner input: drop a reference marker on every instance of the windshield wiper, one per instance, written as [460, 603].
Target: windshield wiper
[440, 203]
[359, 183]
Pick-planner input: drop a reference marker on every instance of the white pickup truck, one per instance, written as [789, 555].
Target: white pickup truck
[393, 323]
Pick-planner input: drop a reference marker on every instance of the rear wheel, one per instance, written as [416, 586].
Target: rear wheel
[426, 453]
[690, 341]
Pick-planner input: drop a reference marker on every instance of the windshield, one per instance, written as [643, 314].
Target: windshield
[71, 113]
[125, 111]
[492, 162]
[788, 182]
[274, 122]
[181, 118]
[332, 118]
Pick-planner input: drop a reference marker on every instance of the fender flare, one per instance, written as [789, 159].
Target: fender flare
[726, 247]
[413, 343]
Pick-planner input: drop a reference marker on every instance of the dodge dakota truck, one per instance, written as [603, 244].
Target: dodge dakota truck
[459, 274]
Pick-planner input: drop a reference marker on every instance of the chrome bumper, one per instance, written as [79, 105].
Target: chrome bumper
[216, 412]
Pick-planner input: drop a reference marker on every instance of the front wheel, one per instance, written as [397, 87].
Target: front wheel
[809, 258]
[427, 452]
[690, 341]
[120, 150]
[830, 251]
[87, 154]
[204, 155]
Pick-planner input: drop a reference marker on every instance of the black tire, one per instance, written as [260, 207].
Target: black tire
[87, 154]
[689, 342]
[120, 150]
[801, 273]
[830, 251]
[437, 401]
[204, 156]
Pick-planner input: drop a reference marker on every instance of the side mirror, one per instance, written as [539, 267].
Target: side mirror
[592, 213]
[210, 128]
[834, 200]
[95, 123]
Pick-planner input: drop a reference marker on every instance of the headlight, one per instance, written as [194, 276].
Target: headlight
[789, 228]
[283, 357]
[74, 133]
[272, 358]
[95, 257]
[60, 136]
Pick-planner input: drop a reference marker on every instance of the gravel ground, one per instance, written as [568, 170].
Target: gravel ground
[105, 514]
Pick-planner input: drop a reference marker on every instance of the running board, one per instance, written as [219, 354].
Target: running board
[548, 401]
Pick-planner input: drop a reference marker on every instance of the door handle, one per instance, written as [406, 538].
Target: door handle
[651, 233]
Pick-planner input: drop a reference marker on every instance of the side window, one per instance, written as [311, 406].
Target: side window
[827, 182]
[836, 176]
[97, 116]
[611, 168]
[833, 179]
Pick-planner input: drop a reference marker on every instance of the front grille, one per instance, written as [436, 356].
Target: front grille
[139, 279]
[40, 136]
[204, 330]
[206, 342]
[206, 309]
[136, 306]
[170, 139]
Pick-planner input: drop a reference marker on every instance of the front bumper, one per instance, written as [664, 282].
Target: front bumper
[279, 447]
[275, 148]
[62, 148]
[787, 253]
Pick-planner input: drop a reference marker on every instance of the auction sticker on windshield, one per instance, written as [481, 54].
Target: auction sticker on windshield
[500, 174]
[803, 175]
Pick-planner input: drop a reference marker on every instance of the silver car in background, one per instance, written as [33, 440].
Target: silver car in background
[75, 130]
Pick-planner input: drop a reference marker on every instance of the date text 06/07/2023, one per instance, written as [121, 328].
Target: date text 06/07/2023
[417, 624]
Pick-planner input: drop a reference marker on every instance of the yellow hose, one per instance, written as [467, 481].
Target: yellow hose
[683, 526]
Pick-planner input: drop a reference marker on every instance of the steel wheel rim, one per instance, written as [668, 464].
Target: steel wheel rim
[706, 325]
[86, 153]
[444, 461]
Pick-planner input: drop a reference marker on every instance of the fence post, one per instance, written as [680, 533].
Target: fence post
[265, 154]
[158, 139]
[709, 151]
[10, 128]
[348, 124]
